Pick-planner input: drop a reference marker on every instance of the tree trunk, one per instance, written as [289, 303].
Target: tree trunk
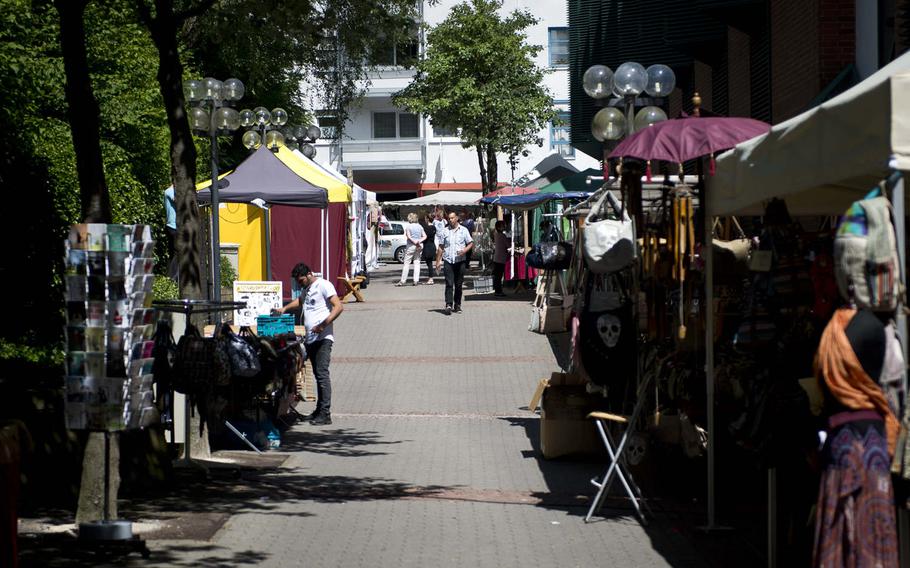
[83, 113]
[85, 126]
[492, 169]
[483, 170]
[192, 279]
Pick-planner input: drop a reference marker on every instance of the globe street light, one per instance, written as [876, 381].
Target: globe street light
[212, 114]
[623, 90]
[272, 128]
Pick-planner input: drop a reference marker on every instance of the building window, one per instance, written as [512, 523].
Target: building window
[559, 47]
[444, 132]
[328, 125]
[408, 126]
[402, 54]
[395, 125]
[559, 136]
[384, 125]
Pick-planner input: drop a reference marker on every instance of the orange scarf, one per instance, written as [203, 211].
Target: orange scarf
[837, 365]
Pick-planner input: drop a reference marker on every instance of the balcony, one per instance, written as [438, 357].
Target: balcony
[381, 154]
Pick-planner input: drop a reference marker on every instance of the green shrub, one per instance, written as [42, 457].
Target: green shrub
[165, 288]
[228, 274]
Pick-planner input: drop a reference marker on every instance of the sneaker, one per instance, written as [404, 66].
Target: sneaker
[447, 311]
[308, 417]
[430, 281]
[457, 309]
[415, 283]
[399, 283]
[321, 420]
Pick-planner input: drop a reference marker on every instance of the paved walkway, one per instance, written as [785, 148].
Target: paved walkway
[431, 460]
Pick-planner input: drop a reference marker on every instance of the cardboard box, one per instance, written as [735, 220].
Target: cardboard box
[565, 429]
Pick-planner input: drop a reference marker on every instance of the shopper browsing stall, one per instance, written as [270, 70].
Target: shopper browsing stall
[321, 307]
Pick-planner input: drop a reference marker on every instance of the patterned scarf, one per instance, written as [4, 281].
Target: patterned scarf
[837, 365]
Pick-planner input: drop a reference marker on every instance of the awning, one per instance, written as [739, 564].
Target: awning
[263, 176]
[443, 198]
[533, 200]
[822, 160]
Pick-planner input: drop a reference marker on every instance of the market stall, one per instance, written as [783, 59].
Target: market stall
[818, 163]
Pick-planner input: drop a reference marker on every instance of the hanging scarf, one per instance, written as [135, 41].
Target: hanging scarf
[837, 365]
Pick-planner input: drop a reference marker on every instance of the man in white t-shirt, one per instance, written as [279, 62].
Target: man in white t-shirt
[321, 307]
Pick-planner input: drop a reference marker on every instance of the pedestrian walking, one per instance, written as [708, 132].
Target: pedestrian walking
[429, 248]
[456, 242]
[500, 256]
[415, 236]
[469, 225]
[321, 307]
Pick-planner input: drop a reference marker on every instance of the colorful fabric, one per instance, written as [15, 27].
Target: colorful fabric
[840, 370]
[855, 524]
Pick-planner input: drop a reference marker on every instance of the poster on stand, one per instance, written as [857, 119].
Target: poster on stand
[261, 298]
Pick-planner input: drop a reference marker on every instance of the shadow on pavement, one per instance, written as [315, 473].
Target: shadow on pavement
[65, 550]
[342, 442]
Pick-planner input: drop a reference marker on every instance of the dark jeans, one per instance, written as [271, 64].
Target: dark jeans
[320, 354]
[454, 279]
[431, 270]
[499, 270]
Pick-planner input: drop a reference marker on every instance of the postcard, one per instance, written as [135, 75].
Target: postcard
[78, 238]
[97, 235]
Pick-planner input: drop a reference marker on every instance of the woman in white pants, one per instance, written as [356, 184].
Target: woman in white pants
[415, 236]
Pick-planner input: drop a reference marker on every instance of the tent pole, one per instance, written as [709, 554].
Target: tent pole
[266, 214]
[898, 200]
[322, 242]
[709, 356]
[328, 259]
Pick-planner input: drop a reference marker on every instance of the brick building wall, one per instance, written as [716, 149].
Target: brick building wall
[739, 71]
[836, 37]
[794, 56]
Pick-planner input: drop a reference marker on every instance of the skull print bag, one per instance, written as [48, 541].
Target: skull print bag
[607, 340]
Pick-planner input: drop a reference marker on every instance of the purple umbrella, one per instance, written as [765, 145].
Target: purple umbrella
[683, 139]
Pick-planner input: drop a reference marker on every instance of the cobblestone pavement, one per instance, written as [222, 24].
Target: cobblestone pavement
[431, 460]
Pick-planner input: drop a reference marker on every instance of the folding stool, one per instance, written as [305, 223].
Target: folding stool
[615, 451]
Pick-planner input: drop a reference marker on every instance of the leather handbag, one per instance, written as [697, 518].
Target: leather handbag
[609, 244]
[550, 312]
[240, 350]
[550, 255]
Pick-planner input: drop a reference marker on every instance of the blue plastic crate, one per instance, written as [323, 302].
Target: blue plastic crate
[268, 326]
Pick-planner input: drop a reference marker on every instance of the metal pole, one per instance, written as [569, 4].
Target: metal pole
[709, 356]
[216, 213]
[898, 199]
[266, 212]
[106, 513]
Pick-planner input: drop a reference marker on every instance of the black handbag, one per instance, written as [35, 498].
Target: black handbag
[199, 363]
[549, 255]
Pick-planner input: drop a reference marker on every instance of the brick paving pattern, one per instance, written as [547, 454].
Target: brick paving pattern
[432, 458]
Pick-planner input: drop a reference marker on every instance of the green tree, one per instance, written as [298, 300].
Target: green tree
[479, 76]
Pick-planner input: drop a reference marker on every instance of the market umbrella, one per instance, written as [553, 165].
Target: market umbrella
[682, 139]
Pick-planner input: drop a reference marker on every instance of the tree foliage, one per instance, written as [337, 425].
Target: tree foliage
[479, 76]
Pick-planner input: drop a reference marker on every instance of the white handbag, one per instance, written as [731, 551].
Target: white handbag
[609, 244]
[551, 312]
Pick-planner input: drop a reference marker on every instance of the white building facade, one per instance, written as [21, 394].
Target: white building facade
[399, 155]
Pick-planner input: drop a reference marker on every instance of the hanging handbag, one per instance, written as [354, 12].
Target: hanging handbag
[241, 353]
[550, 255]
[550, 313]
[609, 244]
[194, 362]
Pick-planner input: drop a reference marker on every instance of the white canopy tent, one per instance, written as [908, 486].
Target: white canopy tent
[818, 162]
[441, 198]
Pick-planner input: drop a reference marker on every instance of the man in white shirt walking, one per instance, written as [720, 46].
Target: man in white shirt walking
[321, 307]
[456, 242]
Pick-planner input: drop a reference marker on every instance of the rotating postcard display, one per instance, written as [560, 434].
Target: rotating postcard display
[109, 327]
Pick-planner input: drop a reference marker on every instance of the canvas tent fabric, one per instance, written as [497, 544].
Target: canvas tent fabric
[441, 198]
[296, 238]
[338, 191]
[575, 182]
[263, 176]
[825, 158]
[533, 200]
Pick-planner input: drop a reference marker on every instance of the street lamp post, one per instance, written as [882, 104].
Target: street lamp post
[623, 90]
[212, 115]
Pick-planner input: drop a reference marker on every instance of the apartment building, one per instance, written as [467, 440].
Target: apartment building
[400, 155]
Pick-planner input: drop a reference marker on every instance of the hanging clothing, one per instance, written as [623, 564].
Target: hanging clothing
[843, 375]
[855, 524]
